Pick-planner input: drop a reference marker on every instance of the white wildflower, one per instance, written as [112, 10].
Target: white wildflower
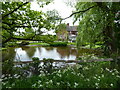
[40, 86]
[78, 74]
[110, 71]
[13, 84]
[116, 72]
[107, 69]
[113, 73]
[51, 81]
[58, 83]
[75, 85]
[118, 76]
[88, 79]
[98, 79]
[34, 85]
[68, 83]
[96, 84]
[47, 82]
[98, 76]
[111, 85]
[82, 76]
[102, 75]
[15, 75]
[94, 77]
[0, 80]
[3, 76]
[39, 81]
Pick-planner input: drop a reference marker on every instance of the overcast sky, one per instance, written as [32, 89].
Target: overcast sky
[60, 6]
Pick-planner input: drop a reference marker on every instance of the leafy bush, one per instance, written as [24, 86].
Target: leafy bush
[58, 44]
[84, 75]
[40, 43]
[11, 44]
[24, 43]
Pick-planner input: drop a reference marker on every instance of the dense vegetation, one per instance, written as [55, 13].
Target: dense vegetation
[99, 22]
[19, 22]
[98, 25]
[46, 75]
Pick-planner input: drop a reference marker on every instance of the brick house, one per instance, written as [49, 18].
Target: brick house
[72, 32]
[69, 33]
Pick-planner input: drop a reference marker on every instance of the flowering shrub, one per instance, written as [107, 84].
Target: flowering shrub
[86, 56]
[84, 75]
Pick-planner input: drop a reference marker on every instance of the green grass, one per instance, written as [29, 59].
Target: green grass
[71, 43]
[3, 48]
[42, 44]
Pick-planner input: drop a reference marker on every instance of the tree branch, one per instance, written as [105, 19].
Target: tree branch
[15, 9]
[78, 12]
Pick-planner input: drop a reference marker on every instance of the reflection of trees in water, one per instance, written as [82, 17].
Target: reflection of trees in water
[49, 48]
[29, 50]
[8, 54]
[66, 51]
[39, 49]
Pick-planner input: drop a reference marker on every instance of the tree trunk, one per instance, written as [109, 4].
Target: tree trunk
[109, 36]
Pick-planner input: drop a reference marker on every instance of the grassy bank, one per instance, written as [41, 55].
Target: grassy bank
[37, 43]
[55, 44]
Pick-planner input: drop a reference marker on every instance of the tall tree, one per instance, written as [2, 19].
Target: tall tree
[98, 22]
[61, 31]
[19, 21]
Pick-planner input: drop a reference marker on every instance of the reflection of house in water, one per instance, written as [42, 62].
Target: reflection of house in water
[66, 52]
[49, 48]
[29, 50]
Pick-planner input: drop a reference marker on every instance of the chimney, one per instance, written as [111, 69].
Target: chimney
[67, 24]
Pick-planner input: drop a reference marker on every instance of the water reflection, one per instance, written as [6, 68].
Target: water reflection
[67, 53]
[30, 51]
[26, 53]
[8, 54]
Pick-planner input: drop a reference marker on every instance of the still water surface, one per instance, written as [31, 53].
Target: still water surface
[28, 52]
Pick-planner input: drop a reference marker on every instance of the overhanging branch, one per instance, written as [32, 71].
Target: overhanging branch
[78, 12]
[15, 9]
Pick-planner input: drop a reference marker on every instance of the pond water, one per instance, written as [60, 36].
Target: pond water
[26, 53]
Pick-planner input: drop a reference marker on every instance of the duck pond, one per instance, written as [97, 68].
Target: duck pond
[26, 53]
[95, 74]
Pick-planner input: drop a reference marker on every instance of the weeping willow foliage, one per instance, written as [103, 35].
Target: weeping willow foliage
[89, 28]
[97, 24]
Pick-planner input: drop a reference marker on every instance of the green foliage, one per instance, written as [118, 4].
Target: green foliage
[84, 75]
[61, 32]
[46, 38]
[58, 44]
[35, 59]
[20, 22]
[71, 43]
[53, 15]
[42, 44]
[23, 43]
[98, 24]
[11, 44]
[61, 28]
[89, 27]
